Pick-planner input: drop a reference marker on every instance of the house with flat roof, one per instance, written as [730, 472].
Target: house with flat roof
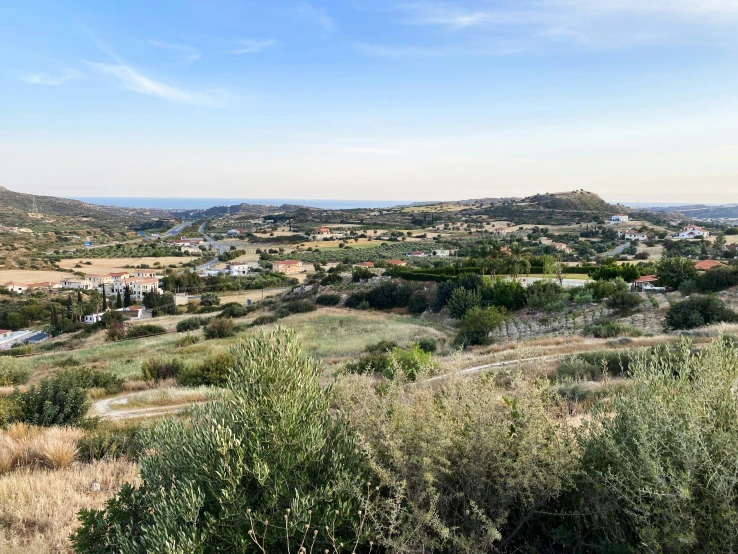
[620, 218]
[288, 266]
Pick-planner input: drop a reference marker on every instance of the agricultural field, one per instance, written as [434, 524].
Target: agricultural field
[108, 265]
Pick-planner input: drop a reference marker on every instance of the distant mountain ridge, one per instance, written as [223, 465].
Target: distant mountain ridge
[701, 211]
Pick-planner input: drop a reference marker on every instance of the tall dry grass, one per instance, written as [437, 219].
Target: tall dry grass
[25, 446]
[38, 508]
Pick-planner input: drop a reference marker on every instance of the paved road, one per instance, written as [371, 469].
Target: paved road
[214, 244]
[618, 250]
[177, 229]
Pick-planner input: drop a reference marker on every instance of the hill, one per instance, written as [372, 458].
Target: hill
[703, 212]
[555, 208]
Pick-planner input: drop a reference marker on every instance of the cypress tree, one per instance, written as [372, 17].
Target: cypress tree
[127, 296]
[105, 301]
[118, 301]
[79, 296]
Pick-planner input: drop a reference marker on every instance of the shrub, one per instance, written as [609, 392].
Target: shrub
[213, 372]
[418, 303]
[190, 324]
[58, 400]
[116, 331]
[356, 299]
[477, 325]
[427, 344]
[470, 281]
[219, 329]
[145, 330]
[672, 272]
[12, 374]
[272, 443]
[328, 299]
[383, 346]
[658, 459]
[545, 294]
[717, 279]
[187, 340]
[698, 311]
[17, 350]
[161, 368]
[234, 310]
[360, 274]
[624, 302]
[264, 320]
[463, 300]
[111, 444]
[89, 378]
[413, 361]
[504, 293]
[209, 299]
[298, 307]
[331, 279]
[609, 328]
[583, 297]
[388, 295]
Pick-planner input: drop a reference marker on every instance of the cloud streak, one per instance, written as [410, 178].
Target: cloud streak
[253, 46]
[189, 54]
[50, 80]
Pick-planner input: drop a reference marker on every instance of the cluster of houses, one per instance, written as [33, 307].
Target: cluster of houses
[234, 269]
[325, 233]
[187, 244]
[421, 254]
[138, 283]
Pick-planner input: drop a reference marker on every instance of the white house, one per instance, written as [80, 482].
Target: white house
[91, 319]
[441, 253]
[138, 287]
[619, 218]
[146, 274]
[630, 234]
[561, 246]
[17, 288]
[417, 254]
[500, 231]
[693, 232]
[238, 269]
[76, 284]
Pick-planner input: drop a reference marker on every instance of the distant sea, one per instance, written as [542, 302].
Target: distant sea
[204, 203]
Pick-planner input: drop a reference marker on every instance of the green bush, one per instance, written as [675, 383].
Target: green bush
[234, 310]
[208, 299]
[187, 340]
[545, 295]
[111, 444]
[219, 329]
[12, 374]
[388, 295]
[361, 273]
[89, 378]
[698, 311]
[504, 293]
[145, 330]
[264, 320]
[18, 350]
[272, 443]
[213, 372]
[328, 300]
[58, 400]
[413, 361]
[190, 324]
[160, 369]
[383, 346]
[717, 279]
[356, 299]
[463, 300]
[624, 302]
[672, 272]
[428, 344]
[298, 307]
[605, 328]
[477, 325]
[418, 303]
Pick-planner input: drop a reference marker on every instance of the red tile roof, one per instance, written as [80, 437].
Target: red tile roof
[647, 279]
[288, 262]
[704, 265]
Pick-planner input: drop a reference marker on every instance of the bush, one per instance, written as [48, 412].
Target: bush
[698, 311]
[658, 460]
[328, 300]
[264, 320]
[388, 295]
[116, 331]
[418, 303]
[504, 293]
[219, 329]
[361, 274]
[208, 299]
[624, 302]
[298, 307]
[428, 344]
[213, 372]
[89, 378]
[463, 300]
[383, 346]
[273, 442]
[234, 310]
[717, 279]
[145, 330]
[161, 368]
[672, 272]
[58, 400]
[331, 279]
[470, 281]
[187, 340]
[356, 299]
[190, 324]
[17, 350]
[11, 374]
[111, 444]
[413, 361]
[609, 329]
[545, 295]
[477, 325]
[583, 297]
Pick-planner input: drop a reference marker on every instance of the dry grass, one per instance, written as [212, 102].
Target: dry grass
[23, 446]
[105, 265]
[164, 397]
[31, 276]
[38, 509]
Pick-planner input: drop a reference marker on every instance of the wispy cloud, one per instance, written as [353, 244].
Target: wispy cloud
[594, 22]
[133, 79]
[188, 54]
[316, 16]
[50, 80]
[252, 46]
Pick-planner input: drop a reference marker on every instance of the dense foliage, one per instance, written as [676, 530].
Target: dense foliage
[698, 311]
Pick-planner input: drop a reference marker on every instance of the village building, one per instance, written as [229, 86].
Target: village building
[417, 254]
[693, 232]
[288, 266]
[76, 284]
[562, 247]
[321, 233]
[706, 265]
[237, 269]
[441, 253]
[16, 288]
[630, 234]
[396, 263]
[620, 218]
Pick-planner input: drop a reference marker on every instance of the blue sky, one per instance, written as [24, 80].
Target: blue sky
[380, 99]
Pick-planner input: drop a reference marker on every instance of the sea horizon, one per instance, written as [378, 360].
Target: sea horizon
[172, 203]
